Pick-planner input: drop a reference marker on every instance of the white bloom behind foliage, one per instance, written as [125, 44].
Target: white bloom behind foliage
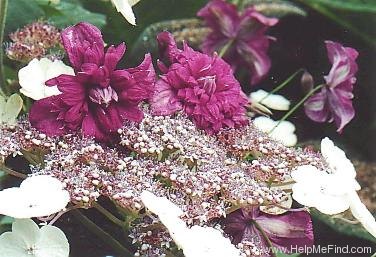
[272, 101]
[332, 191]
[37, 196]
[125, 8]
[32, 77]
[27, 240]
[195, 241]
[284, 132]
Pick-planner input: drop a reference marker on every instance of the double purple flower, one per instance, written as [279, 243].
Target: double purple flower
[98, 98]
[334, 101]
[240, 35]
[286, 232]
[202, 86]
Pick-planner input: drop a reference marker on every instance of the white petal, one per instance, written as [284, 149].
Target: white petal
[305, 173]
[27, 240]
[32, 77]
[338, 162]
[125, 8]
[272, 101]
[283, 133]
[37, 196]
[195, 241]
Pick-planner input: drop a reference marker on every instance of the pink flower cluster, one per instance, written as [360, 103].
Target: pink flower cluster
[99, 98]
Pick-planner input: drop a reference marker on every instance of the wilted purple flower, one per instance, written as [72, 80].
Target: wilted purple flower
[334, 101]
[99, 98]
[245, 32]
[201, 85]
[293, 229]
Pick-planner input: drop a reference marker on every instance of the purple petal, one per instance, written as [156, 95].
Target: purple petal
[43, 117]
[221, 17]
[164, 101]
[342, 109]
[130, 112]
[113, 56]
[73, 92]
[287, 230]
[167, 46]
[90, 128]
[78, 38]
[316, 107]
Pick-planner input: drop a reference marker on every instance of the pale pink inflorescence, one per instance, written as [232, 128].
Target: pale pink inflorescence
[205, 175]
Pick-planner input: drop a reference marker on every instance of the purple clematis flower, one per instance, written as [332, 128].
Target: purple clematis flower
[99, 98]
[203, 86]
[243, 34]
[334, 101]
[287, 231]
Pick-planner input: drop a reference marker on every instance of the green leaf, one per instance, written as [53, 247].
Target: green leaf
[343, 227]
[275, 8]
[70, 14]
[12, 108]
[350, 5]
[20, 13]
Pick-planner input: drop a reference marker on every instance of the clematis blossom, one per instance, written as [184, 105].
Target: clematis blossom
[334, 101]
[98, 98]
[243, 33]
[292, 229]
[203, 86]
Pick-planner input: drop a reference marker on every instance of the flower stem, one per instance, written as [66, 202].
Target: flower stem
[12, 172]
[293, 109]
[3, 14]
[107, 238]
[108, 214]
[265, 236]
[283, 84]
[225, 48]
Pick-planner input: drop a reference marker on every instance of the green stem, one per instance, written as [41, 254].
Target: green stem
[107, 238]
[292, 110]
[282, 85]
[12, 172]
[108, 214]
[342, 22]
[225, 48]
[3, 14]
[265, 236]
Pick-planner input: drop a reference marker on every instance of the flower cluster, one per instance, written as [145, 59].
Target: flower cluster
[201, 85]
[35, 40]
[98, 98]
[206, 176]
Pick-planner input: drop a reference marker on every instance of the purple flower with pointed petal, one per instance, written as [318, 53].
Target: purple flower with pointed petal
[245, 32]
[99, 98]
[334, 101]
[292, 229]
[204, 87]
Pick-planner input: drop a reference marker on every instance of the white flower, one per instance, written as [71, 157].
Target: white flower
[272, 101]
[332, 191]
[284, 132]
[27, 240]
[37, 196]
[32, 77]
[195, 241]
[125, 8]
